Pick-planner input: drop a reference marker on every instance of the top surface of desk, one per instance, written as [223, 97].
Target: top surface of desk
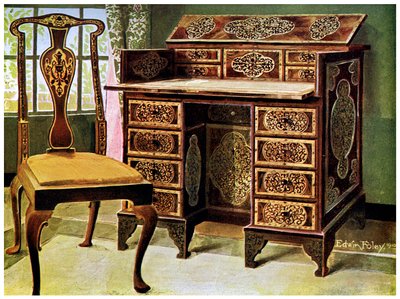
[219, 87]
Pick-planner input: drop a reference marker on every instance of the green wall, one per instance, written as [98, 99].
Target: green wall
[379, 121]
[380, 98]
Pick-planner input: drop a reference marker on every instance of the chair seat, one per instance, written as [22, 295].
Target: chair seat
[75, 168]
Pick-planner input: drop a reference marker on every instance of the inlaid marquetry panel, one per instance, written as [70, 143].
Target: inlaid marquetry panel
[154, 143]
[285, 183]
[280, 121]
[285, 152]
[300, 73]
[162, 173]
[167, 202]
[197, 55]
[208, 71]
[154, 114]
[253, 64]
[300, 57]
[284, 214]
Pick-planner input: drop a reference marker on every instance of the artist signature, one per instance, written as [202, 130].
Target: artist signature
[365, 245]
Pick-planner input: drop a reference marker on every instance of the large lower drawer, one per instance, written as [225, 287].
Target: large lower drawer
[284, 214]
[285, 183]
[284, 152]
[282, 121]
[162, 173]
[168, 202]
[154, 114]
[154, 143]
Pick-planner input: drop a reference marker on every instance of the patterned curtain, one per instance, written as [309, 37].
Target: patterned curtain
[129, 28]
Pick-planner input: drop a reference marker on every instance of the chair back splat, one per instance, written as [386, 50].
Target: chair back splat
[58, 65]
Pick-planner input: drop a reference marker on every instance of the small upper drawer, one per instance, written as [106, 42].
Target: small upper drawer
[253, 64]
[285, 152]
[285, 183]
[207, 71]
[162, 173]
[300, 73]
[197, 55]
[300, 57]
[281, 121]
[154, 114]
[154, 143]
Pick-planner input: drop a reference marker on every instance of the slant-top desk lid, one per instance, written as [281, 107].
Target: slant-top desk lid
[284, 29]
[273, 56]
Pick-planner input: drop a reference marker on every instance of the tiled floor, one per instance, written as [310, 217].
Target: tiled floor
[362, 262]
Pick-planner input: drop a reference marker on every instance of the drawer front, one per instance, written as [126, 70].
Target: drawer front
[154, 114]
[300, 57]
[285, 183]
[280, 121]
[162, 173]
[284, 214]
[198, 70]
[198, 55]
[253, 64]
[285, 152]
[167, 202]
[154, 143]
[300, 73]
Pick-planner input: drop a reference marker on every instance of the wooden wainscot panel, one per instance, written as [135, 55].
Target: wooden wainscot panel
[162, 173]
[198, 55]
[285, 183]
[154, 143]
[167, 202]
[284, 214]
[146, 65]
[300, 73]
[285, 152]
[253, 64]
[208, 71]
[281, 121]
[154, 114]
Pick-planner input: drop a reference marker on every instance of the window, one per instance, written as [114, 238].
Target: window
[37, 40]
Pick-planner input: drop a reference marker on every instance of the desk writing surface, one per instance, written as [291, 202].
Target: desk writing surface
[244, 88]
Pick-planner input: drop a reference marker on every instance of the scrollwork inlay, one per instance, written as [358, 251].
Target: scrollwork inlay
[284, 215]
[253, 64]
[193, 171]
[149, 142]
[342, 126]
[280, 120]
[230, 168]
[286, 183]
[200, 27]
[324, 27]
[354, 70]
[258, 27]
[164, 202]
[149, 65]
[291, 152]
[154, 113]
[156, 172]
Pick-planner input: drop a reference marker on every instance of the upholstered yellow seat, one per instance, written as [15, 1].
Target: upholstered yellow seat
[66, 168]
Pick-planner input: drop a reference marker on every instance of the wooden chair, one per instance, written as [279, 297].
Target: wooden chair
[62, 174]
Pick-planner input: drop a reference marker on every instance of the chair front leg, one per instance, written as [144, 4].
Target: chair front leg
[149, 216]
[35, 220]
[16, 194]
[93, 212]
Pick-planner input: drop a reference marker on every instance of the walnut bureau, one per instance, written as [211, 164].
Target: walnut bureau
[252, 120]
